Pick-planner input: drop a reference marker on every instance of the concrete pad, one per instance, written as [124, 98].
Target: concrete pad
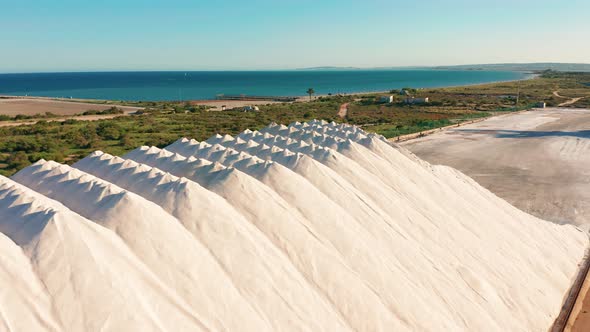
[537, 160]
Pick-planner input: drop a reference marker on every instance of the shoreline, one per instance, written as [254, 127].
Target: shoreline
[530, 77]
[300, 98]
[213, 104]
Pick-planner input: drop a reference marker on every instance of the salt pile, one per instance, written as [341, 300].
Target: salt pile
[313, 226]
[81, 277]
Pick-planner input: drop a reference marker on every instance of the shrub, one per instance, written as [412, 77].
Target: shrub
[109, 130]
[108, 111]
[18, 160]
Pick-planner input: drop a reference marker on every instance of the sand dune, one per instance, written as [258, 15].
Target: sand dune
[312, 226]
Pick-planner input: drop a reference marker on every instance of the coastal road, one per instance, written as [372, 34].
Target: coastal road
[537, 160]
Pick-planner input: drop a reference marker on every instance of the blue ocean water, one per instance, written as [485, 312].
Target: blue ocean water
[157, 86]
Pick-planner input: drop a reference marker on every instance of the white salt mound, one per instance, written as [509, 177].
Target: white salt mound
[91, 278]
[308, 227]
[149, 231]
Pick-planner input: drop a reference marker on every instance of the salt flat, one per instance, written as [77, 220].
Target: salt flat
[537, 160]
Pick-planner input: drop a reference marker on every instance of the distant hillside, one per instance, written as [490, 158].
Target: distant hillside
[523, 67]
[536, 67]
[334, 68]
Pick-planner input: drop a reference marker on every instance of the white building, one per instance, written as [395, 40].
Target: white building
[251, 108]
[386, 99]
[412, 100]
[541, 104]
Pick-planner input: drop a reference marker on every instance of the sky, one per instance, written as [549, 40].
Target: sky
[82, 35]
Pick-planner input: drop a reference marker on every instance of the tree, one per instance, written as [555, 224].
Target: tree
[126, 141]
[310, 92]
[109, 130]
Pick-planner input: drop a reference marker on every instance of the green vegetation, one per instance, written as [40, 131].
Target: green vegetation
[49, 115]
[414, 125]
[20, 117]
[161, 125]
[164, 122]
[108, 111]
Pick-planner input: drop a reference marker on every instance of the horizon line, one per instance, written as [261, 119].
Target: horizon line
[290, 69]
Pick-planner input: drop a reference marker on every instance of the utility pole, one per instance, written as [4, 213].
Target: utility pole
[517, 93]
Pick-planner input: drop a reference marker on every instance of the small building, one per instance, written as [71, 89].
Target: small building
[541, 104]
[250, 108]
[412, 100]
[386, 99]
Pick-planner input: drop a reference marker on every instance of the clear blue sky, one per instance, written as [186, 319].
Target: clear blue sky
[74, 35]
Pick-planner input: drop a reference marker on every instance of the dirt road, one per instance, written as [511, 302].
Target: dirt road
[579, 319]
[570, 100]
[343, 111]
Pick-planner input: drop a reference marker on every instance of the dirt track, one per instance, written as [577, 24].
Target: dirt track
[343, 110]
[579, 320]
[570, 101]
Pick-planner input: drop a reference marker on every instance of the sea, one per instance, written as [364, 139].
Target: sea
[202, 85]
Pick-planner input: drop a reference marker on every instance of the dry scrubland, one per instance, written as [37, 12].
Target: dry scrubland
[274, 230]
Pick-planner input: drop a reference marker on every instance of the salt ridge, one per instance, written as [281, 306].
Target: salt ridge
[310, 226]
[148, 230]
[350, 295]
[336, 161]
[268, 279]
[94, 282]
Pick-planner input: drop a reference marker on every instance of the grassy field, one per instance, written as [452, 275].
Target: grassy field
[162, 123]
